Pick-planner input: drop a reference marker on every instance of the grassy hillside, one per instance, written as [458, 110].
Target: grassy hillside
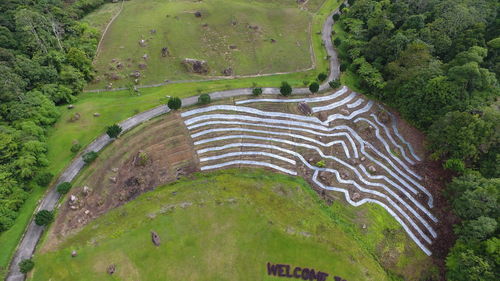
[223, 226]
[251, 37]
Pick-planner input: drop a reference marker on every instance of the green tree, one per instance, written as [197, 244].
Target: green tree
[44, 217]
[334, 84]
[477, 229]
[285, 89]
[174, 103]
[26, 265]
[314, 87]
[64, 187]
[468, 266]
[43, 179]
[257, 91]
[75, 147]
[204, 99]
[89, 157]
[455, 165]
[322, 77]
[113, 131]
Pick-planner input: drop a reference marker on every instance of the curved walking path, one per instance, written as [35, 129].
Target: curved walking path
[33, 232]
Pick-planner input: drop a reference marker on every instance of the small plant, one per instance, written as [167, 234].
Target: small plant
[142, 158]
[257, 91]
[43, 179]
[89, 157]
[204, 99]
[321, 164]
[455, 165]
[305, 82]
[334, 84]
[285, 89]
[322, 77]
[336, 17]
[337, 42]
[314, 87]
[174, 103]
[26, 265]
[64, 187]
[114, 131]
[343, 67]
[76, 147]
[44, 217]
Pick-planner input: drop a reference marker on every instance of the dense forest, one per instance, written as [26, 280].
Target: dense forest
[436, 61]
[45, 60]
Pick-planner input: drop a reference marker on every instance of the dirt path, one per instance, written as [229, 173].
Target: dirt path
[33, 233]
[106, 30]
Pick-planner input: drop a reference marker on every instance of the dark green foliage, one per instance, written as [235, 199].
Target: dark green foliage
[336, 17]
[113, 131]
[89, 157]
[43, 179]
[44, 217]
[45, 59]
[26, 265]
[204, 99]
[64, 187]
[257, 91]
[76, 147]
[343, 67]
[322, 77]
[174, 103]
[455, 165]
[285, 89]
[337, 42]
[314, 87]
[334, 84]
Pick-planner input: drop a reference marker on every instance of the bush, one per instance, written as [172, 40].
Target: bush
[174, 103]
[89, 157]
[64, 187]
[26, 265]
[43, 179]
[285, 89]
[336, 17]
[342, 7]
[455, 165]
[204, 99]
[322, 77]
[305, 82]
[44, 217]
[337, 42]
[334, 84]
[343, 67]
[321, 164]
[114, 131]
[257, 91]
[314, 87]
[76, 147]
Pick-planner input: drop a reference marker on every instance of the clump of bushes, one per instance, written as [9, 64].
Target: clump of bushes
[322, 77]
[285, 89]
[314, 87]
[43, 179]
[257, 91]
[26, 265]
[89, 157]
[76, 147]
[334, 84]
[204, 99]
[44, 217]
[63, 188]
[114, 131]
[174, 103]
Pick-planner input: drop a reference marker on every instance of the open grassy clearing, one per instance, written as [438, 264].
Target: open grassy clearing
[100, 18]
[249, 37]
[222, 226]
[118, 105]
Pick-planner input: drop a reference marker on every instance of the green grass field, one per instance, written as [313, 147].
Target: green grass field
[251, 37]
[227, 225]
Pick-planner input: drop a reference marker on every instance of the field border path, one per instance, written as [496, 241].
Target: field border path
[30, 239]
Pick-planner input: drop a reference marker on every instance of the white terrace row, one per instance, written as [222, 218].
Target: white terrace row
[240, 126]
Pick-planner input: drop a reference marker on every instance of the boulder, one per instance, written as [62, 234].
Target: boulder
[111, 269]
[73, 253]
[197, 14]
[228, 71]
[86, 190]
[164, 52]
[113, 179]
[372, 169]
[195, 66]
[142, 43]
[97, 114]
[71, 106]
[155, 238]
[304, 108]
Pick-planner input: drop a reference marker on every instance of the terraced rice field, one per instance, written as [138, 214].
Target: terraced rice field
[347, 144]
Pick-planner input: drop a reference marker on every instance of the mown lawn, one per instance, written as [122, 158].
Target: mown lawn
[224, 225]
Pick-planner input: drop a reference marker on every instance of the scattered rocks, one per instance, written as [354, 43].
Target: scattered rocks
[75, 117]
[195, 66]
[71, 106]
[152, 31]
[254, 27]
[109, 86]
[145, 56]
[87, 212]
[86, 190]
[384, 117]
[204, 25]
[233, 47]
[142, 43]
[111, 269]
[273, 41]
[372, 169]
[73, 253]
[113, 179]
[143, 66]
[364, 226]
[362, 159]
[97, 114]
[197, 14]
[155, 238]
[165, 52]
[356, 196]
[344, 111]
[73, 199]
[228, 71]
[114, 170]
[135, 74]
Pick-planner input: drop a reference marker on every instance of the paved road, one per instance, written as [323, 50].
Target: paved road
[33, 233]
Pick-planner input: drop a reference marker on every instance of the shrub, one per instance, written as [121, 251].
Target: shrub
[174, 103]
[44, 217]
[336, 17]
[76, 147]
[285, 89]
[43, 179]
[321, 164]
[322, 77]
[343, 67]
[257, 91]
[314, 87]
[337, 42]
[64, 187]
[305, 82]
[455, 165]
[334, 84]
[26, 265]
[89, 157]
[114, 131]
[204, 99]
[342, 7]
